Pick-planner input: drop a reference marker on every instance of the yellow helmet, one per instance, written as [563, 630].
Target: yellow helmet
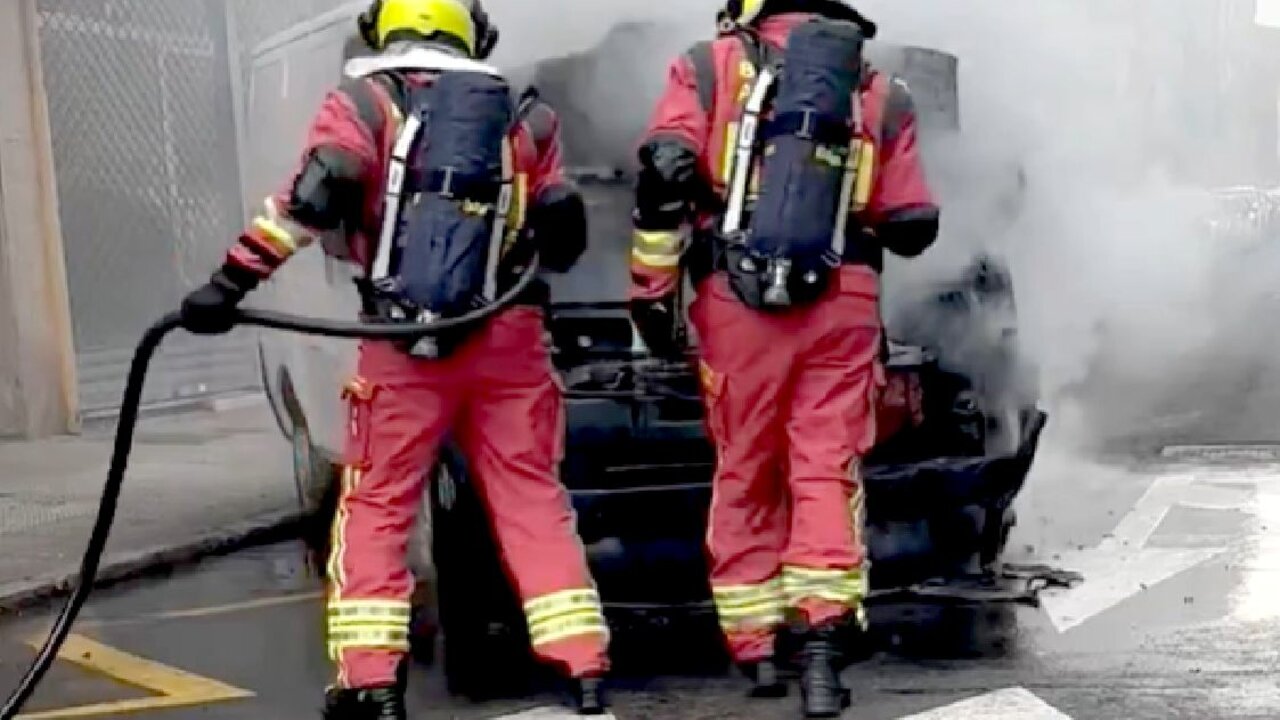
[424, 18]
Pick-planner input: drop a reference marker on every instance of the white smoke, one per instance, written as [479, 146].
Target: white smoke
[1120, 116]
[1117, 112]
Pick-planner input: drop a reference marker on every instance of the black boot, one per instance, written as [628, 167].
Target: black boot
[821, 693]
[588, 696]
[384, 703]
[765, 680]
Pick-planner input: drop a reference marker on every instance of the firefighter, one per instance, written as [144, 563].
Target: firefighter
[491, 387]
[775, 170]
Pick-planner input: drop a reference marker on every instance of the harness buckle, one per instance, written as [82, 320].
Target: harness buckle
[446, 183]
[808, 124]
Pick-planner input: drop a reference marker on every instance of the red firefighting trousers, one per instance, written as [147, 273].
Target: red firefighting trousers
[498, 398]
[790, 407]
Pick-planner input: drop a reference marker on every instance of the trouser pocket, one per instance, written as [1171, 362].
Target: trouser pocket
[359, 395]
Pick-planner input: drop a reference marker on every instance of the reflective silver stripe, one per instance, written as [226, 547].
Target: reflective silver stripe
[499, 234]
[742, 166]
[850, 179]
[391, 205]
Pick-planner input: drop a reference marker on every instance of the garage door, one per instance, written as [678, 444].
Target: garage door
[148, 184]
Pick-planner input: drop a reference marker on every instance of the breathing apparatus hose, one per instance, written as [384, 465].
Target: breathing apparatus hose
[129, 419]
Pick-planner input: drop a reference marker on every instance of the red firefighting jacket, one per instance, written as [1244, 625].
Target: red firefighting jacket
[366, 133]
[701, 111]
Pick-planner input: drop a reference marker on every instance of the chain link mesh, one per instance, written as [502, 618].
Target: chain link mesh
[145, 151]
[256, 21]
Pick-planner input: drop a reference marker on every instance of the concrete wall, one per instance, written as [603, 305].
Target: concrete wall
[37, 363]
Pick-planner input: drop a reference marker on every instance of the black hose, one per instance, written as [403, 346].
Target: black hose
[129, 419]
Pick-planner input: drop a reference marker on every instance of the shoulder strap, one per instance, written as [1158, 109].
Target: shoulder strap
[898, 107]
[745, 152]
[704, 73]
[536, 115]
[369, 105]
[759, 52]
[702, 57]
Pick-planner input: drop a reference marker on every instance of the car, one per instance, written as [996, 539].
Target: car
[959, 426]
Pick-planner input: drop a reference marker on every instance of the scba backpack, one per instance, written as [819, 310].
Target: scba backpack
[447, 210]
[807, 152]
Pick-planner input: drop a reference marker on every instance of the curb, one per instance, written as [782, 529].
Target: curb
[129, 565]
[216, 404]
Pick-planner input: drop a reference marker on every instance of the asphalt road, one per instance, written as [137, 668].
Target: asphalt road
[1179, 617]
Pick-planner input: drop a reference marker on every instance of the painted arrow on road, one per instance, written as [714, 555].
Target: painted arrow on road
[1122, 565]
[1009, 704]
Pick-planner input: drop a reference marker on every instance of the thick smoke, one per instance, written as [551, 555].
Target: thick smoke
[1115, 112]
[1093, 132]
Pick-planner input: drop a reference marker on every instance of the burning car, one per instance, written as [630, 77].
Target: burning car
[959, 423]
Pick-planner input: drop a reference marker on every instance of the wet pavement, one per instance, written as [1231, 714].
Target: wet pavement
[197, 479]
[1178, 618]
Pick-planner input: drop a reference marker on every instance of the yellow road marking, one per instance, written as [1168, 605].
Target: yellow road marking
[172, 688]
[210, 611]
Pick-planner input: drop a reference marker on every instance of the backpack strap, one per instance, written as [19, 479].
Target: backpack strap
[536, 116]
[397, 170]
[501, 218]
[704, 73]
[370, 105]
[745, 152]
[702, 57]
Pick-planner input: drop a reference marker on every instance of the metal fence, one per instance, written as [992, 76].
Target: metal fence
[142, 105]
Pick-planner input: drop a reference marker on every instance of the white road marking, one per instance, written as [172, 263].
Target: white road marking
[1009, 704]
[1122, 566]
[549, 713]
[1110, 579]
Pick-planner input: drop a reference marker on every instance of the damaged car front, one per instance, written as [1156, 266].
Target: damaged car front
[959, 422]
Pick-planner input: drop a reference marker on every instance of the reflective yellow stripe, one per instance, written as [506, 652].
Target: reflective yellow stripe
[763, 619]
[279, 238]
[764, 615]
[657, 242]
[727, 155]
[373, 605]
[368, 614]
[557, 602]
[370, 638]
[657, 248]
[741, 606]
[846, 587]
[338, 535]
[565, 614]
[731, 594]
[659, 262]
[368, 624]
[518, 215]
[585, 623]
[866, 173]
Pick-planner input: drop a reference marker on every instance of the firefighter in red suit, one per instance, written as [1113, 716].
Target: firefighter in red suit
[789, 396]
[495, 393]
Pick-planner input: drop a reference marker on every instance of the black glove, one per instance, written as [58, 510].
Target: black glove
[656, 322]
[558, 223]
[211, 309]
[665, 185]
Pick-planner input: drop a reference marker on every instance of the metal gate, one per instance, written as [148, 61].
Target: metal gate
[145, 149]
